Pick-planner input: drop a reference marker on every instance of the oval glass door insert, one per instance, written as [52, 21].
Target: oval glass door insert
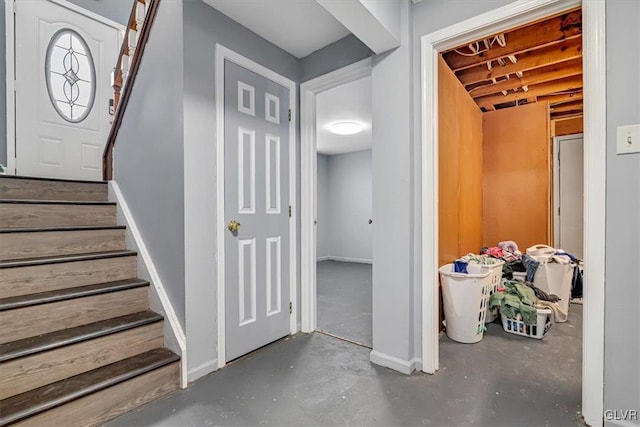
[70, 75]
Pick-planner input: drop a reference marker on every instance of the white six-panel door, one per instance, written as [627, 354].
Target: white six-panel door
[63, 62]
[256, 185]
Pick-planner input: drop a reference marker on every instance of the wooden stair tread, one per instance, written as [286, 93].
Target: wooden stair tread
[56, 202]
[53, 340]
[69, 293]
[66, 228]
[26, 262]
[32, 402]
[37, 178]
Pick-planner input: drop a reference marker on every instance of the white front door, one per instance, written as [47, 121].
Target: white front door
[256, 183]
[571, 194]
[63, 68]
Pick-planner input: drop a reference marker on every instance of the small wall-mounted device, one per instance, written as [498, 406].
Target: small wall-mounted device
[628, 139]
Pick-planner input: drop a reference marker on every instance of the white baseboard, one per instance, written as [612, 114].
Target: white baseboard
[403, 366]
[323, 258]
[145, 257]
[202, 370]
[345, 259]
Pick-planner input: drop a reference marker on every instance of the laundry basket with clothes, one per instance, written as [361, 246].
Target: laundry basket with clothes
[552, 271]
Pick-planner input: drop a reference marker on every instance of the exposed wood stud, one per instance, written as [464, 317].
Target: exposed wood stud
[527, 61]
[562, 85]
[547, 33]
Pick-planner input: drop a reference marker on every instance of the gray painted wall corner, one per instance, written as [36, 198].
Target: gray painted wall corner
[622, 294]
[149, 152]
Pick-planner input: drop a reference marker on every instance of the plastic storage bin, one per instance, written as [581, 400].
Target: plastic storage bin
[465, 302]
[496, 279]
[538, 331]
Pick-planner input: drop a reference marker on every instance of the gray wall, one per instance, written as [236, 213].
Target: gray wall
[116, 10]
[338, 54]
[622, 319]
[149, 152]
[350, 206]
[393, 288]
[203, 28]
[322, 215]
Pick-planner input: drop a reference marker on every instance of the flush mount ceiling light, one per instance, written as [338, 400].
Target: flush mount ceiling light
[345, 128]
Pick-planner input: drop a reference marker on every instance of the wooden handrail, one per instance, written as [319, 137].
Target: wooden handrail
[124, 79]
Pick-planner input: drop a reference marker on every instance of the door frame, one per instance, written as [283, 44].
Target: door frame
[557, 140]
[223, 53]
[308, 181]
[594, 87]
[10, 43]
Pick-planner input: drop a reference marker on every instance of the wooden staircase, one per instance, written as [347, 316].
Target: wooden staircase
[78, 342]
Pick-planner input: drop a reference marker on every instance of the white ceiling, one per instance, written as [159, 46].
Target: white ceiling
[297, 26]
[349, 102]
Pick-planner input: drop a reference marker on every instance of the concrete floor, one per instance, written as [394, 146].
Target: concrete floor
[315, 379]
[345, 300]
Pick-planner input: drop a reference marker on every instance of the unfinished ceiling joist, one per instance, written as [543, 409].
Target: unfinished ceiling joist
[546, 33]
[569, 106]
[562, 85]
[530, 60]
[558, 99]
[541, 75]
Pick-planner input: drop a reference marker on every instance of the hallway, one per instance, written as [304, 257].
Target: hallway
[344, 300]
[319, 380]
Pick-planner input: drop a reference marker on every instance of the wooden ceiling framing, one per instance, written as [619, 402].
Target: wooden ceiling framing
[538, 62]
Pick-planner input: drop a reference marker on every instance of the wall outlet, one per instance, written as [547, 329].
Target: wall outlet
[628, 139]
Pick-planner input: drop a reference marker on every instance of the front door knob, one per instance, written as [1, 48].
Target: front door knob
[233, 226]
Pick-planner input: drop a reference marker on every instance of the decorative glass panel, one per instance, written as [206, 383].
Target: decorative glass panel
[70, 75]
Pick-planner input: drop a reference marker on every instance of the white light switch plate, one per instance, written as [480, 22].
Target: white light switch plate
[628, 139]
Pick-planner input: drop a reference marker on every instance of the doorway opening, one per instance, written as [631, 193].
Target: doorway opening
[499, 100]
[512, 17]
[344, 228]
[336, 220]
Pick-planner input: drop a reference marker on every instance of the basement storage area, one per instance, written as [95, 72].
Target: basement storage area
[511, 206]
[344, 217]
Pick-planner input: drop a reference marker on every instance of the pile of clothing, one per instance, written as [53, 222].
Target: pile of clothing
[516, 300]
[460, 265]
[516, 261]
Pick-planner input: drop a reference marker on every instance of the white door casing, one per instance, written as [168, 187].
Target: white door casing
[224, 56]
[63, 61]
[594, 88]
[568, 186]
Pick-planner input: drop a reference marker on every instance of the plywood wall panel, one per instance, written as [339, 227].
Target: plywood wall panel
[517, 175]
[460, 169]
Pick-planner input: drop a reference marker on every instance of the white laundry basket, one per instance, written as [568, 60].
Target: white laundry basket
[538, 331]
[496, 279]
[465, 302]
[554, 278]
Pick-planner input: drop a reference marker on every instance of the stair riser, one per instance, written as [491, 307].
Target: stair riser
[27, 280]
[27, 373]
[44, 318]
[19, 215]
[36, 189]
[21, 245]
[98, 408]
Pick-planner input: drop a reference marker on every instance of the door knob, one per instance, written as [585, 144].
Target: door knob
[233, 226]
